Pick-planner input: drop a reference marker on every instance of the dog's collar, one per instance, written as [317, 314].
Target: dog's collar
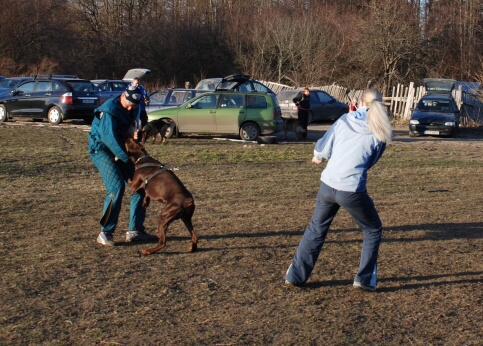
[142, 157]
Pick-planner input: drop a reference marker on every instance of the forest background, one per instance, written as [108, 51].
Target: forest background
[294, 42]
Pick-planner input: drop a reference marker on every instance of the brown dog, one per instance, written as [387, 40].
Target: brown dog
[155, 128]
[162, 185]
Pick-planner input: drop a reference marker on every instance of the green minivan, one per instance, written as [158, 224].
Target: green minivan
[247, 114]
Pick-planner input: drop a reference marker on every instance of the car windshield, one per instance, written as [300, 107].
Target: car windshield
[83, 86]
[287, 95]
[430, 105]
[8, 83]
[226, 85]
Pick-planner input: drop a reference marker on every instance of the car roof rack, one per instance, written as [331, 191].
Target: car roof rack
[60, 76]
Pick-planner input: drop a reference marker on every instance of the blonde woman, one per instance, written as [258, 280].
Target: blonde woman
[352, 145]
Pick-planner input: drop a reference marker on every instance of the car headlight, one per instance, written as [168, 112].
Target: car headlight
[449, 123]
[414, 121]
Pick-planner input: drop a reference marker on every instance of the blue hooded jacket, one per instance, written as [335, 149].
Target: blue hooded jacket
[111, 122]
[351, 149]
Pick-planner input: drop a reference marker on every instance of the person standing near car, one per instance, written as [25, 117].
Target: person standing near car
[142, 117]
[113, 120]
[352, 145]
[302, 101]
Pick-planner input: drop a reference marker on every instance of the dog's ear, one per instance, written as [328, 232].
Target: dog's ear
[132, 145]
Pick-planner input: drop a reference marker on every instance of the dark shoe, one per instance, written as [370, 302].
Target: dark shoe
[140, 236]
[363, 287]
[105, 239]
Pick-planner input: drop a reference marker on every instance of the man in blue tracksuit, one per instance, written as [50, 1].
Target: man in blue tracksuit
[352, 145]
[142, 117]
[113, 119]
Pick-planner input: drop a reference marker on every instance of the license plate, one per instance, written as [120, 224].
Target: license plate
[431, 132]
[87, 101]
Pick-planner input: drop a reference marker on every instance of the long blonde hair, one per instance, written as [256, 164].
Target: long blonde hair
[377, 118]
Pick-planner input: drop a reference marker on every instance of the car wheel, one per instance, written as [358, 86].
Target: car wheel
[249, 131]
[54, 115]
[3, 114]
[170, 132]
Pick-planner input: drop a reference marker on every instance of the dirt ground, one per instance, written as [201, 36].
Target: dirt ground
[59, 287]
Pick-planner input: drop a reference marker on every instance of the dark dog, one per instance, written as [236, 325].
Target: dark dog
[162, 185]
[292, 124]
[153, 129]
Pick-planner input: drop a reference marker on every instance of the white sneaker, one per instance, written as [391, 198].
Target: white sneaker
[105, 239]
[140, 236]
[359, 285]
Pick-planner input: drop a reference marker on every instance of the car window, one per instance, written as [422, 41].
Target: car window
[324, 97]
[177, 97]
[231, 101]
[44, 86]
[58, 86]
[207, 101]
[260, 87]
[104, 87]
[158, 96]
[256, 101]
[118, 86]
[27, 87]
[82, 86]
[287, 95]
[8, 83]
[431, 105]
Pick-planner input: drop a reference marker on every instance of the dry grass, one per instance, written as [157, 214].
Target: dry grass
[60, 288]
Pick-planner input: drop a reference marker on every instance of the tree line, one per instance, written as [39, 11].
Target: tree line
[295, 42]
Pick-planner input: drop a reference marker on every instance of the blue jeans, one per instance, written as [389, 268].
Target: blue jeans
[361, 207]
[115, 185]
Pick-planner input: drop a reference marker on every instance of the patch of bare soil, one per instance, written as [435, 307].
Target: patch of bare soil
[59, 287]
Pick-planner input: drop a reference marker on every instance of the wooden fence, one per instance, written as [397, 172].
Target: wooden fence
[402, 100]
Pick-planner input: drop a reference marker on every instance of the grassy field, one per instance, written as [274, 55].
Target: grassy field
[59, 287]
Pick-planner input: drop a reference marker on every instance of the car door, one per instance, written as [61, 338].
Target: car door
[199, 115]
[19, 103]
[40, 98]
[323, 106]
[230, 113]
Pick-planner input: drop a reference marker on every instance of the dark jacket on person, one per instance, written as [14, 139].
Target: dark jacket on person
[302, 101]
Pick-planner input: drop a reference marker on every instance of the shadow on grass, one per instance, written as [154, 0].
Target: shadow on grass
[406, 283]
[438, 231]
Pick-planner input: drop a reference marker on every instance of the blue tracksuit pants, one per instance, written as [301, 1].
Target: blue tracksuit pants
[115, 185]
[361, 207]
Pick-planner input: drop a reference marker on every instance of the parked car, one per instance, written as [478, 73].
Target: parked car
[435, 115]
[55, 97]
[163, 98]
[322, 105]
[10, 83]
[247, 114]
[107, 88]
[233, 82]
